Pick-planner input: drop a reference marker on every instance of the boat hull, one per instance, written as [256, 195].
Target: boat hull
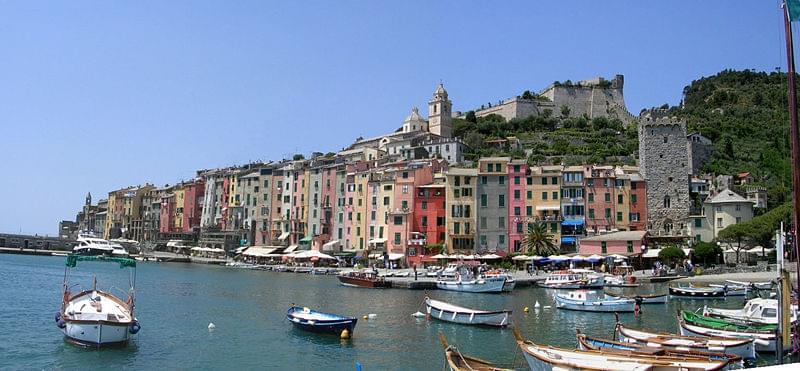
[646, 299]
[616, 347]
[744, 349]
[485, 318]
[618, 305]
[696, 293]
[763, 342]
[333, 324]
[483, 285]
[363, 282]
[96, 334]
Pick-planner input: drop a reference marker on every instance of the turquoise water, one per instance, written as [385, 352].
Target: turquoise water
[176, 302]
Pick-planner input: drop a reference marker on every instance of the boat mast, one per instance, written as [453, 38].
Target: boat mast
[793, 132]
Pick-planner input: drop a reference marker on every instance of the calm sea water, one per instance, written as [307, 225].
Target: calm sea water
[176, 302]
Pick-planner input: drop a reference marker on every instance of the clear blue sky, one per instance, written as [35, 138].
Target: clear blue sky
[95, 96]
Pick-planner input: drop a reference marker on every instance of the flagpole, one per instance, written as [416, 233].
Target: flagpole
[793, 132]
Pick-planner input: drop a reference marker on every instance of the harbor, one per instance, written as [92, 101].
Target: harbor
[248, 308]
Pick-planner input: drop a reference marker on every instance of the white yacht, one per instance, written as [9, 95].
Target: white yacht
[94, 246]
[574, 279]
[758, 310]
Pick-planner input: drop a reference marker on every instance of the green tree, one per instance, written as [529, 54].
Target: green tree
[706, 251]
[671, 254]
[298, 156]
[470, 116]
[564, 111]
[539, 241]
[528, 95]
[736, 237]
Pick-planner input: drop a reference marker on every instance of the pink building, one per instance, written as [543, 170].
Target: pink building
[600, 199]
[297, 214]
[193, 205]
[167, 212]
[638, 203]
[327, 203]
[628, 243]
[517, 171]
[407, 180]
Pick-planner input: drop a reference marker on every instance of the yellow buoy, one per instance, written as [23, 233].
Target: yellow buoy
[526, 309]
[345, 334]
[365, 317]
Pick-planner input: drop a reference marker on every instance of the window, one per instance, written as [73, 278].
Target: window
[591, 197]
[529, 194]
[608, 213]
[738, 207]
[501, 200]
[501, 180]
[371, 214]
[719, 222]
[349, 215]
[466, 211]
[555, 195]
[519, 227]
[634, 217]
[619, 199]
[607, 197]
[404, 204]
[501, 240]
[630, 247]
[516, 180]
[738, 219]
[439, 221]
[424, 205]
[467, 180]
[405, 189]
[667, 203]
[483, 240]
[398, 220]
[397, 238]
[424, 221]
[553, 227]
[517, 194]
[666, 138]
[457, 192]
[633, 199]
[498, 167]
[528, 210]
[456, 228]
[554, 180]
[457, 180]
[386, 201]
[484, 201]
[603, 247]
[591, 213]
[698, 223]
[484, 179]
[544, 195]
[501, 222]
[516, 169]
[619, 216]
[517, 211]
[529, 180]
[483, 222]
[544, 181]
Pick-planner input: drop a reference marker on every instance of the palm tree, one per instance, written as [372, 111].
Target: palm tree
[539, 241]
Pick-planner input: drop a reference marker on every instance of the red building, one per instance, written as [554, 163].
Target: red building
[167, 213]
[428, 221]
[638, 203]
[193, 205]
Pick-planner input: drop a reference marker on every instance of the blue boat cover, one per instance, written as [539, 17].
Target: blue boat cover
[567, 239]
[572, 222]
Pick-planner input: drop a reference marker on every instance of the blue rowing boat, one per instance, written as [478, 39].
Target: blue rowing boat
[314, 321]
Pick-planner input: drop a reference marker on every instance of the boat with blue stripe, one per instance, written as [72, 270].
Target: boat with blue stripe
[320, 322]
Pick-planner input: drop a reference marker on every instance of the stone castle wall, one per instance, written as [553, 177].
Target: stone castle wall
[664, 163]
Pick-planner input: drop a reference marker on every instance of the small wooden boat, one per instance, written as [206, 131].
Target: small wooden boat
[363, 279]
[456, 361]
[574, 279]
[725, 324]
[593, 301]
[586, 342]
[540, 357]
[741, 347]
[477, 285]
[644, 298]
[96, 318]
[755, 311]
[510, 283]
[764, 341]
[697, 292]
[314, 321]
[452, 313]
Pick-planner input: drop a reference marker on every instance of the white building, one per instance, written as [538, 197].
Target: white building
[720, 211]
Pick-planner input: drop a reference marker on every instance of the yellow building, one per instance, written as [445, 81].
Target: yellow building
[112, 203]
[543, 199]
[177, 217]
[359, 232]
[460, 189]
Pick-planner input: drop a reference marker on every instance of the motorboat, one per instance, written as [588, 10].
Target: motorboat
[456, 361]
[619, 281]
[302, 270]
[464, 281]
[593, 301]
[118, 250]
[697, 292]
[363, 279]
[90, 246]
[96, 318]
[740, 347]
[586, 342]
[732, 290]
[574, 279]
[758, 311]
[763, 336]
[452, 313]
[541, 357]
[315, 321]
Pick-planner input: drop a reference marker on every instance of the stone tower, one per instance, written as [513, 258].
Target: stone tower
[664, 163]
[440, 121]
[89, 199]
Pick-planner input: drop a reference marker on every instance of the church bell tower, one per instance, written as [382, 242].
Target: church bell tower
[440, 121]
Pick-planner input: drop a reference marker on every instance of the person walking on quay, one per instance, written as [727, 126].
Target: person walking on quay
[415, 272]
